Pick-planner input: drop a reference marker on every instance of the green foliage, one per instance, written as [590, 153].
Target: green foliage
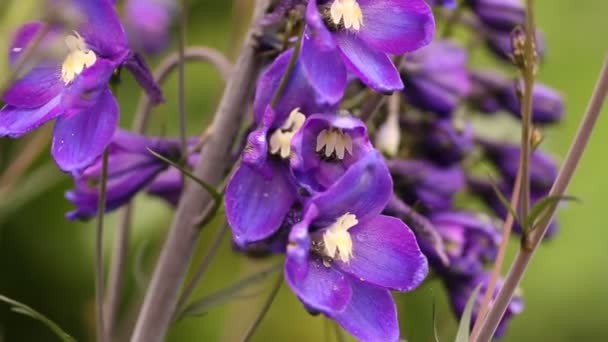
[465, 321]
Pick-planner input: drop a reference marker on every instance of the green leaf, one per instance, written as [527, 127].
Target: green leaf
[465, 321]
[435, 335]
[505, 202]
[217, 197]
[539, 208]
[25, 310]
[203, 305]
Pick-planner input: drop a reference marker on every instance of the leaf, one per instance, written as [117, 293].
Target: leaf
[435, 335]
[505, 202]
[217, 197]
[465, 321]
[539, 207]
[203, 305]
[25, 310]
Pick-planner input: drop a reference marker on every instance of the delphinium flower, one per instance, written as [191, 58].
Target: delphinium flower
[357, 36]
[445, 3]
[148, 24]
[132, 168]
[73, 90]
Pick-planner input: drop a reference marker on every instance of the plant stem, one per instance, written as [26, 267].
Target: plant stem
[99, 269]
[267, 304]
[564, 177]
[181, 75]
[161, 298]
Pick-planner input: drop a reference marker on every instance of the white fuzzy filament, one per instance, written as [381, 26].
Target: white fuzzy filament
[280, 140]
[79, 58]
[349, 11]
[334, 140]
[337, 240]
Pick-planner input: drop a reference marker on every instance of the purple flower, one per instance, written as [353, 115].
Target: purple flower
[501, 44]
[421, 183]
[448, 141]
[548, 104]
[131, 168]
[437, 77]
[488, 85]
[358, 36]
[460, 290]
[470, 240]
[344, 257]
[451, 4]
[74, 90]
[148, 24]
[325, 147]
[502, 15]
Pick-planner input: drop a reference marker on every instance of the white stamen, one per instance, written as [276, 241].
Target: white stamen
[334, 140]
[349, 11]
[17, 49]
[280, 140]
[337, 240]
[79, 58]
[388, 136]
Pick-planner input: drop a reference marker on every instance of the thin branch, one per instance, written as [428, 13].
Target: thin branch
[161, 299]
[267, 304]
[564, 177]
[99, 269]
[169, 64]
[181, 76]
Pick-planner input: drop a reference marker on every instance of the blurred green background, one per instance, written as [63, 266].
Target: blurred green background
[47, 261]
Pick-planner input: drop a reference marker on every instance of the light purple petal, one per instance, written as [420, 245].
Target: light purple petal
[385, 253]
[15, 122]
[396, 26]
[81, 138]
[324, 69]
[364, 190]
[374, 68]
[256, 205]
[87, 88]
[371, 314]
[322, 288]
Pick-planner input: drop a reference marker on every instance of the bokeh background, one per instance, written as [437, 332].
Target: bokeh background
[47, 261]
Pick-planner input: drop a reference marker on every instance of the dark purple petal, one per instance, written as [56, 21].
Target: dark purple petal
[548, 104]
[324, 70]
[255, 204]
[364, 190]
[138, 67]
[374, 68]
[101, 29]
[448, 141]
[42, 83]
[396, 26]
[167, 185]
[15, 122]
[316, 29]
[386, 254]
[81, 138]
[370, 315]
[322, 288]
[500, 14]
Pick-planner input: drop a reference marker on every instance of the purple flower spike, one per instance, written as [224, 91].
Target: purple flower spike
[437, 77]
[73, 90]
[488, 86]
[548, 104]
[148, 24]
[358, 35]
[342, 255]
[501, 44]
[451, 4]
[449, 141]
[470, 241]
[131, 167]
[502, 15]
[429, 186]
[325, 147]
[461, 288]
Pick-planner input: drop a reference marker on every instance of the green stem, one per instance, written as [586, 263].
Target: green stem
[99, 269]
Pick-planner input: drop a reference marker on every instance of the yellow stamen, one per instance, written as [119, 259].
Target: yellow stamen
[280, 140]
[79, 58]
[347, 11]
[337, 239]
[334, 140]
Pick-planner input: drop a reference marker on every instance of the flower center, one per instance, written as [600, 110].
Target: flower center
[79, 58]
[280, 140]
[336, 141]
[337, 240]
[347, 11]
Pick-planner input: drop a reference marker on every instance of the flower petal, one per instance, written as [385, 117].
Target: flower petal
[324, 69]
[385, 253]
[396, 26]
[102, 29]
[371, 314]
[322, 288]
[364, 190]
[81, 138]
[140, 70]
[374, 68]
[256, 205]
[15, 122]
[86, 89]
